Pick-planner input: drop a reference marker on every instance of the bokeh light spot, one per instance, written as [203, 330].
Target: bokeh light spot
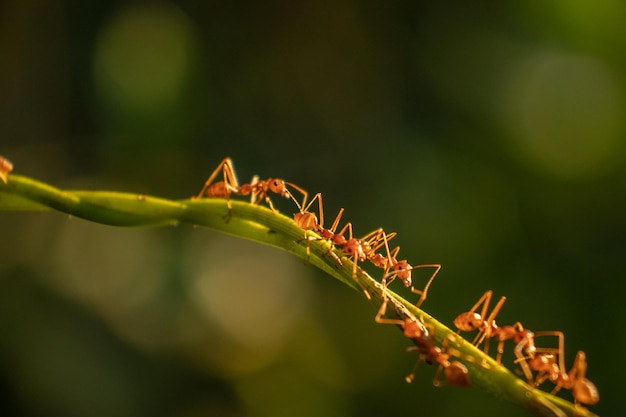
[143, 56]
[565, 115]
[256, 304]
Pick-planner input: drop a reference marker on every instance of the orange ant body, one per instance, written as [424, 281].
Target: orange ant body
[352, 247]
[545, 364]
[308, 221]
[583, 390]
[470, 320]
[454, 372]
[5, 168]
[524, 339]
[362, 249]
[258, 190]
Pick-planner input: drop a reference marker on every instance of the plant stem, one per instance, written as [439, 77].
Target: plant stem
[260, 224]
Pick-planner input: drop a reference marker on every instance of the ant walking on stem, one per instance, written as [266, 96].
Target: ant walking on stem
[524, 339]
[470, 320]
[258, 190]
[402, 270]
[549, 363]
[353, 248]
[308, 221]
[455, 372]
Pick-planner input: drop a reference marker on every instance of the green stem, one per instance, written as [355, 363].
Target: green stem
[257, 223]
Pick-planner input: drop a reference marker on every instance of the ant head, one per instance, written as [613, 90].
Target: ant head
[277, 186]
[468, 321]
[402, 269]
[354, 249]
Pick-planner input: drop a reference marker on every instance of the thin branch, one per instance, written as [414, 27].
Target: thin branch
[257, 223]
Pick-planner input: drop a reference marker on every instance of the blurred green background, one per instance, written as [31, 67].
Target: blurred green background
[489, 136]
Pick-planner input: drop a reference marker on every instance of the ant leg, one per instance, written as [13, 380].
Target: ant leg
[307, 220]
[351, 247]
[560, 351]
[424, 292]
[300, 190]
[410, 377]
[470, 320]
[391, 257]
[455, 372]
[381, 313]
[522, 360]
[375, 239]
[444, 363]
[334, 238]
[490, 325]
[221, 167]
[229, 185]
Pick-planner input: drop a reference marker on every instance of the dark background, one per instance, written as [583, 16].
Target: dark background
[490, 137]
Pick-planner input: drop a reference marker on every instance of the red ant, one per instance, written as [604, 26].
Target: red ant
[470, 320]
[257, 189]
[350, 246]
[5, 167]
[402, 269]
[307, 221]
[455, 372]
[583, 390]
[353, 248]
[524, 339]
[545, 363]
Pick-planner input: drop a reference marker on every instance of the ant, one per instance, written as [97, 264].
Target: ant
[308, 221]
[470, 320]
[353, 248]
[545, 363]
[583, 390]
[524, 339]
[454, 372]
[358, 249]
[401, 269]
[258, 190]
[5, 167]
